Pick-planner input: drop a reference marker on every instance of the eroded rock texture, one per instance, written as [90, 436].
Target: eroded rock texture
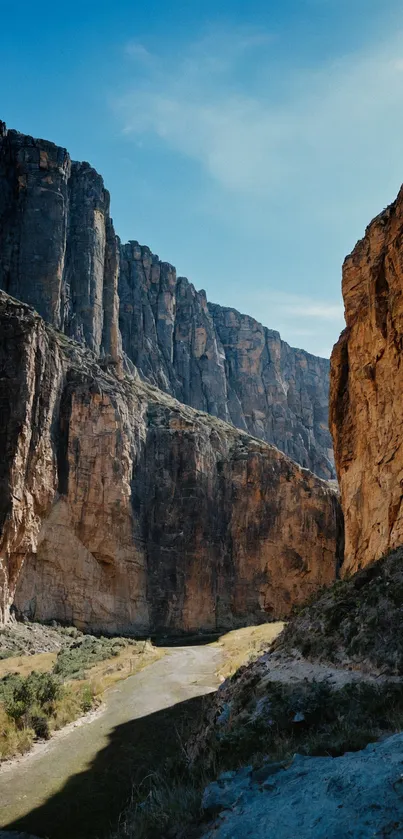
[59, 253]
[220, 361]
[123, 510]
[58, 249]
[367, 391]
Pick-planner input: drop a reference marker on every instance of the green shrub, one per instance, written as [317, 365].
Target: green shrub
[87, 698]
[83, 653]
[29, 701]
[40, 725]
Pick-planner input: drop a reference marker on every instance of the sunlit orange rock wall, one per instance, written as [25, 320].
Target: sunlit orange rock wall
[124, 511]
[366, 402]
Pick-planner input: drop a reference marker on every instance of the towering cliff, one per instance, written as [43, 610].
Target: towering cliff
[123, 510]
[59, 253]
[58, 249]
[220, 361]
[366, 410]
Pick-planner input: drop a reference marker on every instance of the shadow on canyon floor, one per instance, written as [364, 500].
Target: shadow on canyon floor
[90, 803]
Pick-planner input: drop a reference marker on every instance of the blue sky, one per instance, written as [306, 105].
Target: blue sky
[247, 143]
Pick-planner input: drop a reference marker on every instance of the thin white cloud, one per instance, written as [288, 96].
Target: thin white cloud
[297, 157]
[298, 318]
[137, 51]
[295, 305]
[326, 122]
[322, 310]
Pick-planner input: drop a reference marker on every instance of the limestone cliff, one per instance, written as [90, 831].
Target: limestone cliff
[123, 510]
[218, 360]
[59, 253]
[366, 409]
[58, 249]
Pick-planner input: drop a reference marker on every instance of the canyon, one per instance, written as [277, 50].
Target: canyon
[123, 509]
[59, 253]
[220, 361]
[154, 481]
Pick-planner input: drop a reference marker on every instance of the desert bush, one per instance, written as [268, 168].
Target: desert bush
[21, 695]
[71, 704]
[13, 741]
[40, 725]
[73, 661]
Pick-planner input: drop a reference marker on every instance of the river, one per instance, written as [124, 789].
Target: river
[76, 785]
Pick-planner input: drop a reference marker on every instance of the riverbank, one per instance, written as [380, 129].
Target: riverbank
[58, 676]
[81, 783]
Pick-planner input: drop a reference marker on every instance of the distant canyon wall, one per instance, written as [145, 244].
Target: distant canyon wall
[60, 254]
[122, 510]
[220, 361]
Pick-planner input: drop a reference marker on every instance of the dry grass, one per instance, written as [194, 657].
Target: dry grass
[13, 741]
[75, 696]
[243, 645]
[26, 664]
[76, 700]
[130, 660]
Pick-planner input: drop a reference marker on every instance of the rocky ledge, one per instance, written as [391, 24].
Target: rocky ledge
[218, 360]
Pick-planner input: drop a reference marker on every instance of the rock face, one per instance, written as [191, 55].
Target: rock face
[220, 361]
[366, 411]
[123, 510]
[58, 249]
[356, 794]
[59, 253]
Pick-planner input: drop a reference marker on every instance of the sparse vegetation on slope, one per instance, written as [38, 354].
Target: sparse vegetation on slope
[356, 622]
[44, 691]
[254, 718]
[242, 646]
[245, 727]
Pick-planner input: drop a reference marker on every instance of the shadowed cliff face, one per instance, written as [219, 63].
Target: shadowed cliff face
[123, 510]
[58, 250]
[59, 253]
[367, 391]
[220, 361]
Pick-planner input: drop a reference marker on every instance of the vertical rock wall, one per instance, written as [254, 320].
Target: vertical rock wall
[59, 253]
[123, 510]
[366, 406]
[222, 362]
[58, 250]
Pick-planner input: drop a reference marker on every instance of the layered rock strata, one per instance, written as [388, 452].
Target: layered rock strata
[218, 360]
[124, 511]
[366, 410]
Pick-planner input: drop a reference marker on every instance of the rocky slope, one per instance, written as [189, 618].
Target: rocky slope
[355, 622]
[123, 510]
[366, 391]
[59, 253]
[218, 360]
[354, 795]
